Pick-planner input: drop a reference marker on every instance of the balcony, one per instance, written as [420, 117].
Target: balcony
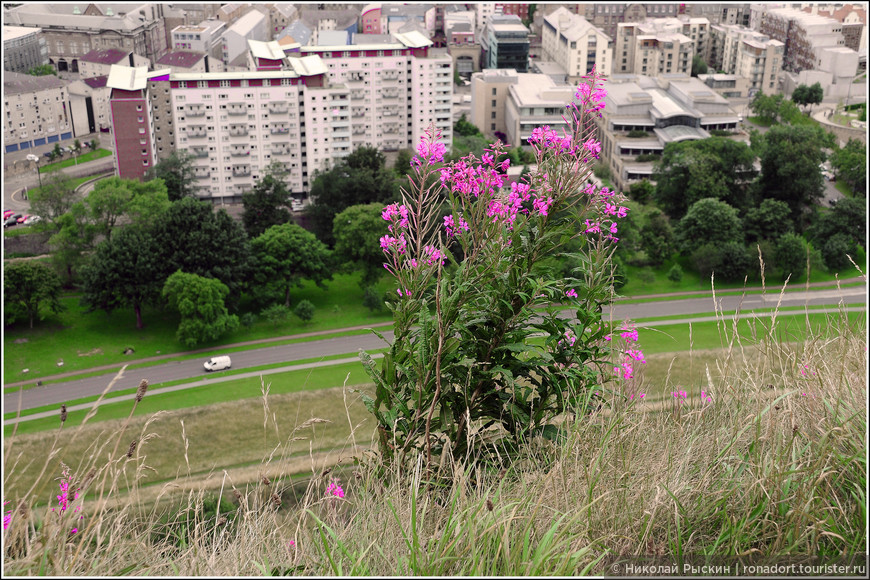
[237, 109]
[357, 94]
[199, 151]
[239, 152]
[390, 94]
[195, 110]
[241, 170]
[358, 112]
[279, 129]
[196, 131]
[278, 108]
[359, 130]
[238, 130]
[201, 172]
[281, 150]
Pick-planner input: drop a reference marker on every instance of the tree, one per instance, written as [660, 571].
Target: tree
[266, 204]
[116, 199]
[27, 287]
[692, 170]
[699, 67]
[790, 254]
[359, 178]
[850, 164]
[196, 239]
[848, 217]
[357, 232]
[642, 191]
[765, 106]
[285, 255]
[200, 301]
[42, 70]
[729, 261]
[465, 128]
[709, 221]
[657, 238]
[402, 166]
[790, 167]
[769, 221]
[808, 95]
[176, 171]
[52, 200]
[121, 273]
[305, 311]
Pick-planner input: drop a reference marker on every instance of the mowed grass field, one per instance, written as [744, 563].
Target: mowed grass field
[235, 425]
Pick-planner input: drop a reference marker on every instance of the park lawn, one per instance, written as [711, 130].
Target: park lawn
[844, 188]
[90, 156]
[86, 340]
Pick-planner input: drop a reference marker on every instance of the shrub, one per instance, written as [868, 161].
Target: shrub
[644, 157]
[601, 171]
[637, 134]
[248, 319]
[462, 360]
[728, 261]
[675, 274]
[276, 314]
[304, 310]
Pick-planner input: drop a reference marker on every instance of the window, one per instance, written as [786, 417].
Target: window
[492, 115]
[493, 92]
[493, 103]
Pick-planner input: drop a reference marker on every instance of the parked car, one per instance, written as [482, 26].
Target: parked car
[23, 218]
[217, 363]
[7, 213]
[32, 220]
[48, 155]
[12, 220]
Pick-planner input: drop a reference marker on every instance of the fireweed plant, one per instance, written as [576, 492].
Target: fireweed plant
[463, 376]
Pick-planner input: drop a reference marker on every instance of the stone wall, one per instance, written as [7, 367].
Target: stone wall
[28, 244]
[842, 133]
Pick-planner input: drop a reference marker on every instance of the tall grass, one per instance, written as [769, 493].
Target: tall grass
[773, 466]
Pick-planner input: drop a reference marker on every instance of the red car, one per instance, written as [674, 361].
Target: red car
[22, 218]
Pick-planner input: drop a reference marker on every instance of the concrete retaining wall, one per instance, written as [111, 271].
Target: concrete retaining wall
[842, 133]
[29, 244]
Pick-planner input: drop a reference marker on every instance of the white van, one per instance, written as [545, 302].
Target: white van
[217, 363]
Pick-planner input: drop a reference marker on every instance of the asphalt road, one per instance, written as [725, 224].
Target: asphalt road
[55, 394]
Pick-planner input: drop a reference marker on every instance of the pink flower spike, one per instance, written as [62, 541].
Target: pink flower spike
[571, 293]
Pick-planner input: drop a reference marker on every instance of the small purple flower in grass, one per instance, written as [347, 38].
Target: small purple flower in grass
[334, 489]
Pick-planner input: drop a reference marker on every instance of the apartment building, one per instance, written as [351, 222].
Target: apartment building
[34, 111]
[654, 47]
[133, 119]
[72, 30]
[573, 43]
[202, 37]
[184, 61]
[303, 107]
[89, 106]
[803, 35]
[505, 43]
[749, 54]
[98, 63]
[608, 16]
[489, 91]
[668, 111]
[23, 48]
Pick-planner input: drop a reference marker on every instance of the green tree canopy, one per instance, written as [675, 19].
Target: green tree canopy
[465, 128]
[266, 204]
[121, 273]
[808, 95]
[285, 255]
[358, 231]
[176, 171]
[27, 287]
[692, 170]
[768, 221]
[850, 164]
[359, 178]
[709, 220]
[657, 238]
[53, 199]
[200, 301]
[42, 70]
[699, 67]
[196, 239]
[790, 167]
[848, 217]
[790, 255]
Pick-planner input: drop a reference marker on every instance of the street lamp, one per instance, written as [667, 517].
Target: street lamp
[35, 159]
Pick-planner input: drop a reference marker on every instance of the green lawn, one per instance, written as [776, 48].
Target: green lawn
[844, 188]
[90, 156]
[86, 340]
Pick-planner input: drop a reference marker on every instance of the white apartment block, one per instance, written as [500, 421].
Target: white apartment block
[489, 91]
[652, 48]
[576, 45]
[483, 10]
[34, 111]
[306, 107]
